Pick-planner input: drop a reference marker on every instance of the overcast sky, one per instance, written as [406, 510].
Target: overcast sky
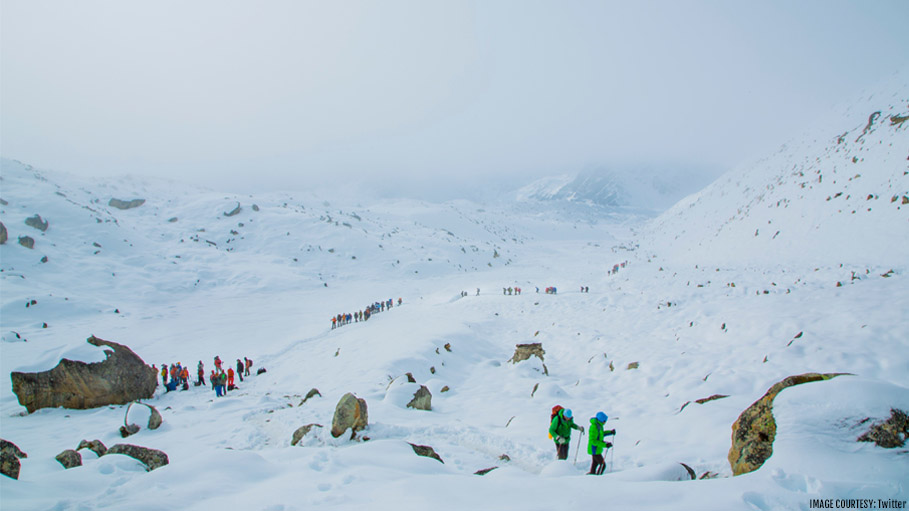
[428, 95]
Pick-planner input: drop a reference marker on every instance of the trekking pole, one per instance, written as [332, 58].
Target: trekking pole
[578, 449]
[612, 454]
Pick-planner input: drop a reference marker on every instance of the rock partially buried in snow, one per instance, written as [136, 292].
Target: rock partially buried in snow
[890, 433]
[312, 392]
[426, 451]
[350, 413]
[96, 446]
[524, 351]
[121, 378]
[152, 458]
[154, 419]
[9, 458]
[235, 211]
[69, 459]
[37, 222]
[302, 432]
[3, 234]
[122, 204]
[422, 399]
[27, 241]
[755, 429]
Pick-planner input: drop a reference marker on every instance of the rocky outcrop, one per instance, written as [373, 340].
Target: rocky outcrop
[4, 235]
[524, 351]
[890, 433]
[9, 459]
[37, 222]
[27, 241]
[302, 432]
[96, 446]
[121, 378]
[755, 429]
[422, 399]
[351, 413]
[426, 451]
[123, 204]
[152, 458]
[69, 458]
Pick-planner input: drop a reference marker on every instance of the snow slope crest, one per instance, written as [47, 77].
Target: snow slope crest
[835, 197]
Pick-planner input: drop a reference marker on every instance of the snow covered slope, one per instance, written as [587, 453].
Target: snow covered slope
[839, 195]
[686, 318]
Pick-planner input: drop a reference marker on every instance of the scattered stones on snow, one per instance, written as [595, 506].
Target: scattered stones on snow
[121, 378]
[633, 365]
[27, 241]
[37, 222]
[233, 212]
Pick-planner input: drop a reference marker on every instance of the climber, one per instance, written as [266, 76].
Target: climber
[560, 429]
[596, 446]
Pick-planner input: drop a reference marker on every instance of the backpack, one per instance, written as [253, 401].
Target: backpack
[555, 411]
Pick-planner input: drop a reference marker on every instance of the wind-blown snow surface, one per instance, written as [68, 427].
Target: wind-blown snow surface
[177, 280]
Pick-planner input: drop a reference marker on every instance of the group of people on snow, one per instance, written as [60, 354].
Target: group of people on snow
[221, 381]
[562, 422]
[363, 315]
[615, 267]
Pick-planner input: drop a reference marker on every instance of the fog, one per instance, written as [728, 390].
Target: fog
[429, 99]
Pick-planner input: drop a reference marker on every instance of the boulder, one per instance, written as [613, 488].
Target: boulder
[69, 458]
[301, 432]
[123, 204]
[121, 378]
[426, 451]
[152, 458]
[96, 446]
[524, 351]
[3, 234]
[9, 459]
[27, 241]
[129, 429]
[422, 399]
[755, 429]
[890, 433]
[351, 413]
[37, 222]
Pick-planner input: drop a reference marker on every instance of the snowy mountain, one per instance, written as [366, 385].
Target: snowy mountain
[714, 303]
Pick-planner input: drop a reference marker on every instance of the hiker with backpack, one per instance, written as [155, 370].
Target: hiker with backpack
[596, 445]
[560, 430]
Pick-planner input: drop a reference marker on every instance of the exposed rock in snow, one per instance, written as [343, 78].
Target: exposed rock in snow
[422, 399]
[351, 413]
[69, 458]
[122, 204]
[152, 458]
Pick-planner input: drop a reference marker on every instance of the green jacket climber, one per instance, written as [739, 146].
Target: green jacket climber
[595, 442]
[561, 426]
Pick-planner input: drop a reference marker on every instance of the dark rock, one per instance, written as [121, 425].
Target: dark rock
[154, 419]
[524, 351]
[448, 347]
[44, 259]
[350, 413]
[426, 451]
[235, 211]
[152, 458]
[4, 235]
[69, 458]
[260, 371]
[444, 389]
[891, 433]
[633, 365]
[311, 393]
[37, 222]
[484, 471]
[27, 241]
[121, 378]
[690, 470]
[410, 378]
[9, 459]
[130, 204]
[711, 398]
[172, 219]
[255, 207]
[128, 429]
[422, 399]
[95, 446]
[755, 429]
[301, 432]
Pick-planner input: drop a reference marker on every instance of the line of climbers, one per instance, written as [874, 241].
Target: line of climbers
[615, 267]
[363, 315]
[220, 380]
[560, 425]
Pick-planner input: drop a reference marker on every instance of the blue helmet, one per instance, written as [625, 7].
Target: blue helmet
[602, 417]
[567, 413]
